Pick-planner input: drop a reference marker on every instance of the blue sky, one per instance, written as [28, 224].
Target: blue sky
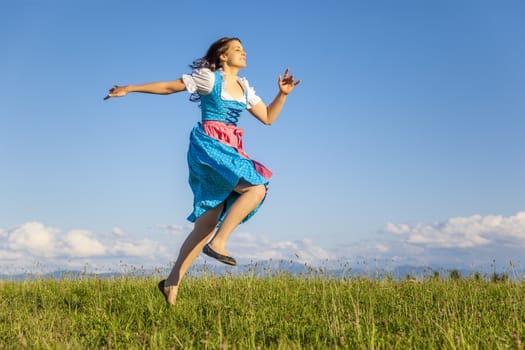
[404, 143]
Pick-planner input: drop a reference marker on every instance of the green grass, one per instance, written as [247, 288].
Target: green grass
[275, 312]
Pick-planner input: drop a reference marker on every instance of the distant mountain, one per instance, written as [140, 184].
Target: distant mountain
[277, 267]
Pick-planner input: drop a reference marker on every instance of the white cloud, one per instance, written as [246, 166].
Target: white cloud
[34, 238]
[117, 231]
[143, 248]
[251, 247]
[382, 248]
[464, 232]
[33, 243]
[172, 229]
[397, 228]
[80, 243]
[9, 255]
[455, 242]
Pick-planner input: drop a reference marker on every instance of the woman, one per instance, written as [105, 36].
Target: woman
[228, 186]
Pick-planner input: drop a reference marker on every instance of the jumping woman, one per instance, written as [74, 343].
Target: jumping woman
[228, 186]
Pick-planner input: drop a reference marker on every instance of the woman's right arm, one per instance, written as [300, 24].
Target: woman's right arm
[159, 88]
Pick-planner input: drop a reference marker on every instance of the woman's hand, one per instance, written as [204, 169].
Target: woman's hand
[268, 114]
[286, 83]
[117, 91]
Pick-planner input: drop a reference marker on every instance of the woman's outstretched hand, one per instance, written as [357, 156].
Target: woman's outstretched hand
[287, 83]
[117, 91]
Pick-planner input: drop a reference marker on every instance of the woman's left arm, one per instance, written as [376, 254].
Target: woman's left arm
[268, 114]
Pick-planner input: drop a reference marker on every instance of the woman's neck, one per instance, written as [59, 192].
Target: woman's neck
[230, 73]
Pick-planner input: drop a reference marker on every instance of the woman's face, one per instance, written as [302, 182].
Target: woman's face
[235, 56]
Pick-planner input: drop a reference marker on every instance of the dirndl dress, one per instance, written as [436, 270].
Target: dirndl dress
[216, 160]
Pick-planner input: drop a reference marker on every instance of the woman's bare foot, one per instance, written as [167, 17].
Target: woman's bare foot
[169, 292]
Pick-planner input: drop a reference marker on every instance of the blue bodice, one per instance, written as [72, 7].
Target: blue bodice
[213, 107]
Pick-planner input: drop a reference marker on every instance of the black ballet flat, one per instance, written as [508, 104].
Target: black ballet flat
[228, 260]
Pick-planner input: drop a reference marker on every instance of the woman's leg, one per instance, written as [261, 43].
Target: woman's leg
[251, 196]
[190, 249]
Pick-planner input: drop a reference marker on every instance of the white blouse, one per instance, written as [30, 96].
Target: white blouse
[202, 80]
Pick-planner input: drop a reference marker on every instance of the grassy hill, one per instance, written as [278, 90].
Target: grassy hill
[249, 311]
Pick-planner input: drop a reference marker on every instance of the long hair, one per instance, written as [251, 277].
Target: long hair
[212, 59]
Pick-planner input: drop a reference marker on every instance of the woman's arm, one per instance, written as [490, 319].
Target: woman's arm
[160, 88]
[268, 114]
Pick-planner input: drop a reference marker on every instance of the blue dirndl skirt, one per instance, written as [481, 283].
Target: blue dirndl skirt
[215, 168]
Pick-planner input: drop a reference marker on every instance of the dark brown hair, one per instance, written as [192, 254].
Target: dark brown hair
[212, 58]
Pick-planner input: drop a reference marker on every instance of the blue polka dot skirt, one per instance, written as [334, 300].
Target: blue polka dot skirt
[216, 167]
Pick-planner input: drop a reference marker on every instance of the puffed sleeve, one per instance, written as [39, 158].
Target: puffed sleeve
[200, 81]
[253, 99]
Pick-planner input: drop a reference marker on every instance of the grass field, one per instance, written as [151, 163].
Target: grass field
[279, 311]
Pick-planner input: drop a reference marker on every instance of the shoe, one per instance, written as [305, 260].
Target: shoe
[228, 260]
